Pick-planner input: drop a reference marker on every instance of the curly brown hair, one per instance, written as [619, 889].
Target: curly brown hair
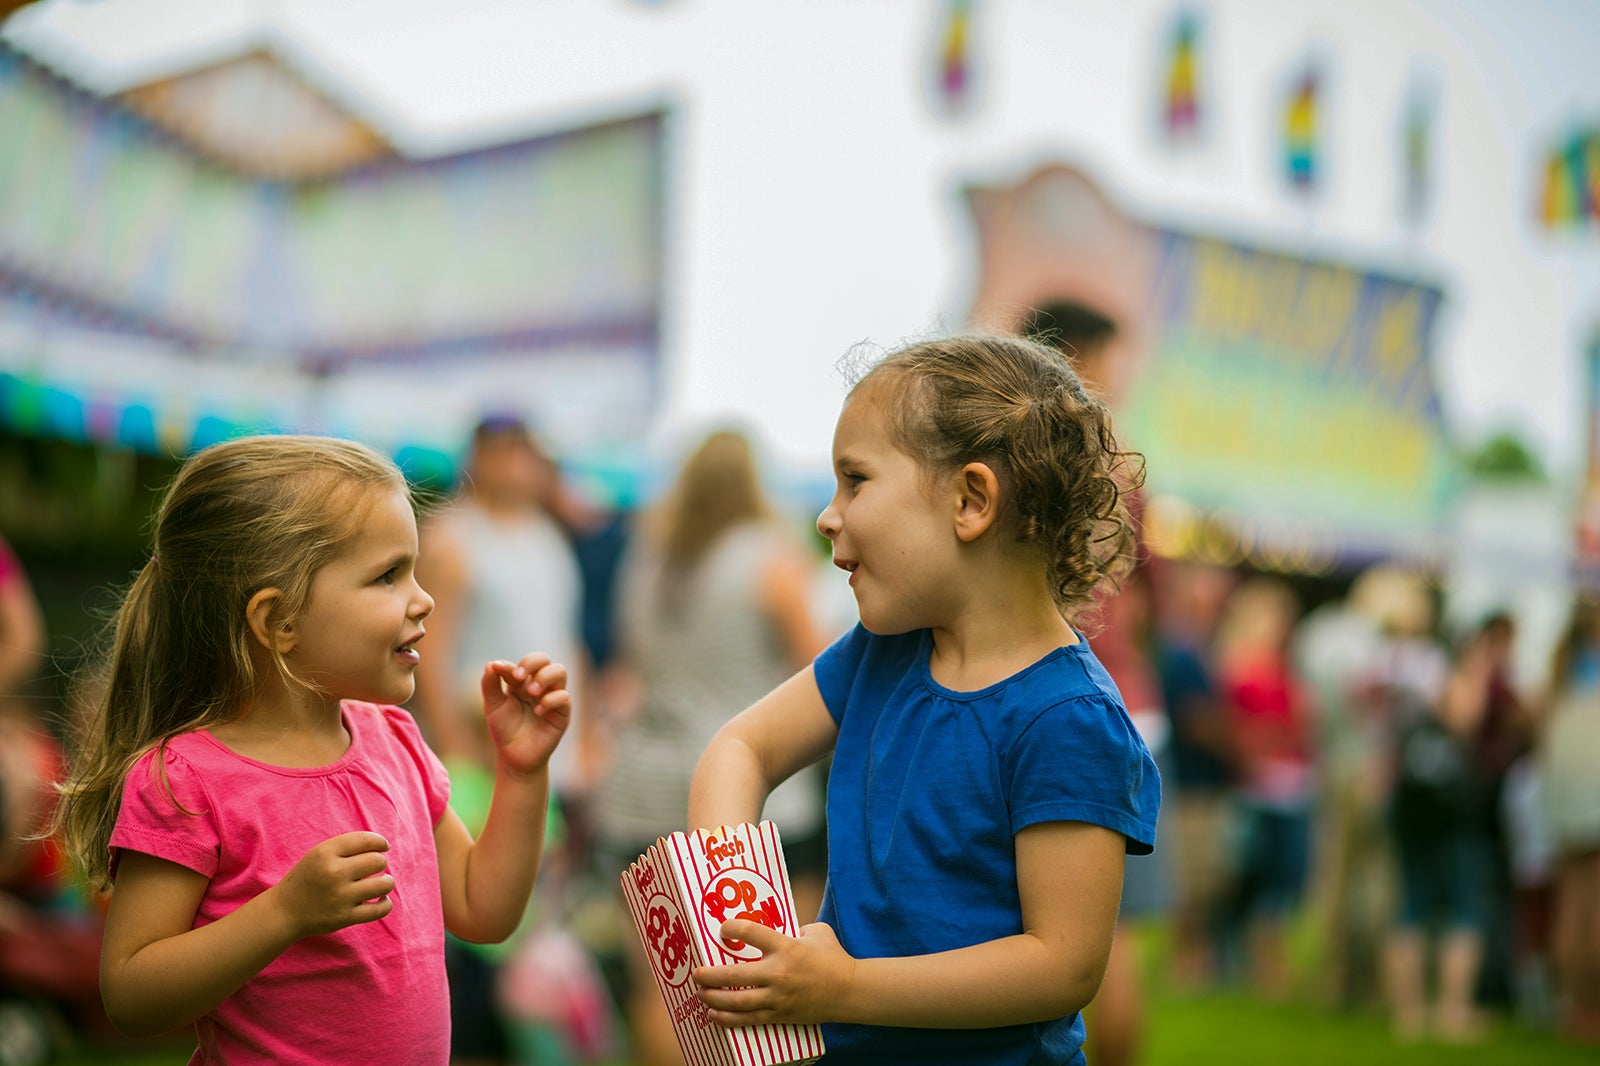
[1019, 407]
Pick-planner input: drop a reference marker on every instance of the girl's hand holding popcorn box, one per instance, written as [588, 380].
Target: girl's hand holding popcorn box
[680, 892]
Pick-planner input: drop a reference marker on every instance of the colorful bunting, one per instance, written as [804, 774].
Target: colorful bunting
[1300, 131]
[1182, 110]
[955, 60]
[1416, 149]
[1571, 191]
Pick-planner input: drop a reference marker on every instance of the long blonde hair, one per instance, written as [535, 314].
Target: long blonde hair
[241, 516]
[717, 488]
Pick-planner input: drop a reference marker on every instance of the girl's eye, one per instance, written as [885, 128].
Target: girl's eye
[388, 576]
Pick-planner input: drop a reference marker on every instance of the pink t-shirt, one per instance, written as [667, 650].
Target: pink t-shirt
[373, 992]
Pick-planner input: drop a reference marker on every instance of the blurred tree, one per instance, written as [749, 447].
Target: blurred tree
[1505, 457]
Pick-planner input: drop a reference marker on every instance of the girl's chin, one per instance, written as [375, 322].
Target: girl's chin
[395, 694]
[884, 627]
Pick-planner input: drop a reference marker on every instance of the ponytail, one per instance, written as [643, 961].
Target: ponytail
[241, 516]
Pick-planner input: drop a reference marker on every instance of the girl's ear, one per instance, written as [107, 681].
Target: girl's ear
[977, 500]
[258, 615]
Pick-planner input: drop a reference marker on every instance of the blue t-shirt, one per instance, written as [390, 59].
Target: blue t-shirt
[927, 791]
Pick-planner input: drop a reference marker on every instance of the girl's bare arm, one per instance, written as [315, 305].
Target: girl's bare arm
[1070, 879]
[158, 973]
[784, 731]
[486, 883]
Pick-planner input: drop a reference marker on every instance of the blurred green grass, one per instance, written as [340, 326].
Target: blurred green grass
[1227, 1027]
[1234, 1029]
[1217, 1029]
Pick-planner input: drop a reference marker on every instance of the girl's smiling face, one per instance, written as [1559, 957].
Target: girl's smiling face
[356, 638]
[891, 527]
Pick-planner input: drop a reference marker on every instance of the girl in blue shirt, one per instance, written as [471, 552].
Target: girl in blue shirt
[986, 781]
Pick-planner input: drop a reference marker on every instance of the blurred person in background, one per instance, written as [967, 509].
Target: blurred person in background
[30, 758]
[1504, 735]
[1374, 666]
[500, 565]
[1531, 857]
[49, 936]
[1085, 336]
[1200, 784]
[1273, 734]
[1443, 823]
[503, 573]
[22, 633]
[1568, 757]
[716, 610]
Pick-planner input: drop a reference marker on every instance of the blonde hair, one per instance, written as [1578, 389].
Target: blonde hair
[718, 487]
[241, 516]
[1018, 406]
[1259, 616]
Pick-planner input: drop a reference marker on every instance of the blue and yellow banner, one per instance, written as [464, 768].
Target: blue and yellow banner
[1293, 394]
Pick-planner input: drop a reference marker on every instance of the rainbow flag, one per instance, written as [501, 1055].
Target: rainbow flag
[1182, 98]
[1570, 194]
[1300, 131]
[955, 61]
[1416, 150]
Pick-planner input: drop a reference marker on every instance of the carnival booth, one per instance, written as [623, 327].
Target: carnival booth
[233, 249]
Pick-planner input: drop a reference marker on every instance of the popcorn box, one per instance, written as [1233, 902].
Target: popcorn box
[680, 891]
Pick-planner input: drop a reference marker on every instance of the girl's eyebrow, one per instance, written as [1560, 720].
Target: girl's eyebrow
[394, 560]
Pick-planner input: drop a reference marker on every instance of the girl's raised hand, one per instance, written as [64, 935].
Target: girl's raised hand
[343, 881]
[528, 709]
[799, 981]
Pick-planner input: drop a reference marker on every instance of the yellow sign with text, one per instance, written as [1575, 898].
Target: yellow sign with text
[1283, 388]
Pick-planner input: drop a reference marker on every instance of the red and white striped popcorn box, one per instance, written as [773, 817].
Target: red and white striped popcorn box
[680, 892]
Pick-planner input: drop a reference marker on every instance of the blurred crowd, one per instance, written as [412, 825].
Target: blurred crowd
[1354, 784]
[1361, 807]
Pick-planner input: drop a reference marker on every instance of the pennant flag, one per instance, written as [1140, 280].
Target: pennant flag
[1571, 191]
[1300, 132]
[955, 60]
[1416, 150]
[1182, 111]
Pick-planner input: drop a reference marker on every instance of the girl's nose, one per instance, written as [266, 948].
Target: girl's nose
[422, 603]
[828, 522]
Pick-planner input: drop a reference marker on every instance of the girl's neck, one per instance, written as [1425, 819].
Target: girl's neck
[302, 730]
[995, 639]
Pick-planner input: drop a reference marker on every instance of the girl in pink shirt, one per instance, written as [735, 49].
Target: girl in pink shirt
[279, 835]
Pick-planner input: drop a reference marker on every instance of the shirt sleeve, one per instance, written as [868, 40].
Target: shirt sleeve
[836, 667]
[1082, 760]
[166, 812]
[435, 778]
